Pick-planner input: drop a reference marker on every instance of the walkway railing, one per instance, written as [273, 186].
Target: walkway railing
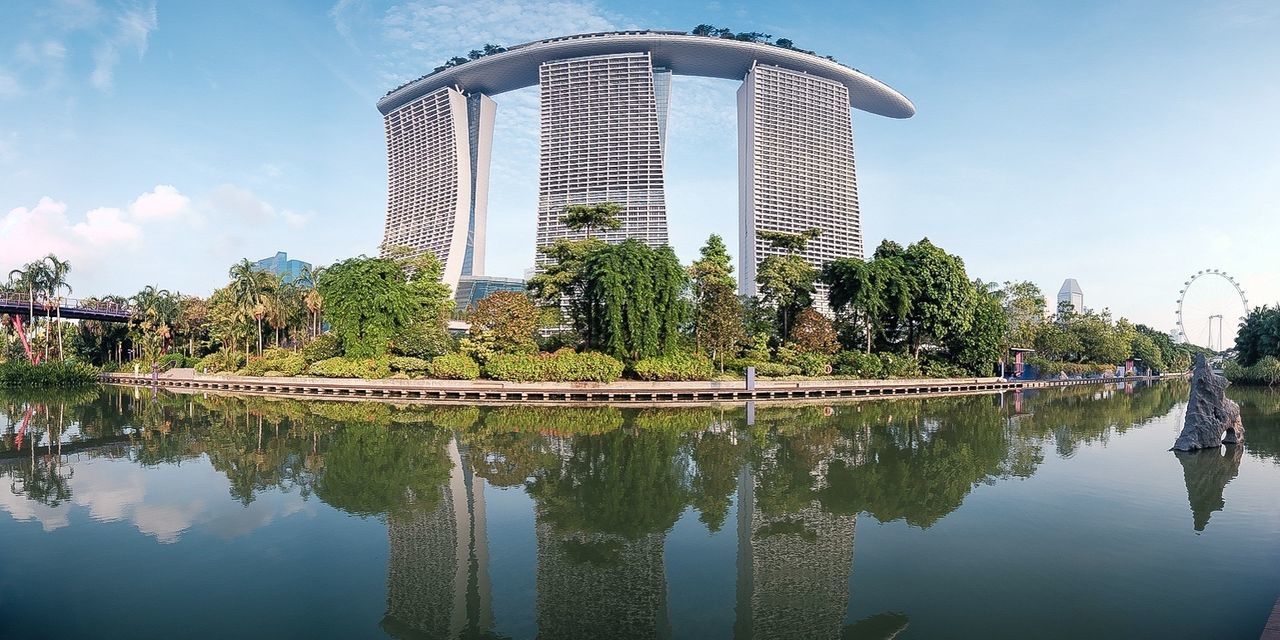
[42, 304]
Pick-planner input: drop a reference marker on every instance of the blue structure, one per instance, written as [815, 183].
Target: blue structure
[473, 289]
[280, 264]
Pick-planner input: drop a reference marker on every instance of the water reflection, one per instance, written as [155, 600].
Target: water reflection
[607, 487]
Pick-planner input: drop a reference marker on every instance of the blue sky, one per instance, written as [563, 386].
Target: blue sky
[1126, 144]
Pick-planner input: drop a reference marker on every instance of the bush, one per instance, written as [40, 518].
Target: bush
[896, 366]
[939, 369]
[857, 364]
[1265, 371]
[591, 366]
[677, 366]
[562, 366]
[176, 361]
[1047, 369]
[765, 369]
[425, 339]
[322, 348]
[406, 364]
[278, 361]
[220, 361]
[351, 368]
[812, 364]
[453, 366]
[20, 373]
[814, 333]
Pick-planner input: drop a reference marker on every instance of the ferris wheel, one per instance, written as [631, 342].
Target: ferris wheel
[1182, 299]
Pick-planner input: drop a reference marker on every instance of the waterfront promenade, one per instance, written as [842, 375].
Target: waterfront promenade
[623, 391]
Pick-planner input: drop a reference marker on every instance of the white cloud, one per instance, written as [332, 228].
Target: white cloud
[132, 28]
[230, 203]
[106, 227]
[31, 233]
[162, 203]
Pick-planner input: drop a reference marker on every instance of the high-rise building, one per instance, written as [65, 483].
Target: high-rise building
[1071, 295]
[795, 164]
[438, 150]
[604, 103]
[280, 264]
[603, 123]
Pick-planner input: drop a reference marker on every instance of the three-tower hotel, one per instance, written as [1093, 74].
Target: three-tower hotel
[604, 99]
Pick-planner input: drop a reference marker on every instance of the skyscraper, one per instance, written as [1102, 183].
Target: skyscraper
[795, 164]
[438, 150]
[1071, 295]
[603, 123]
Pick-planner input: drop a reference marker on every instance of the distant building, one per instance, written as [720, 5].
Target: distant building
[1071, 294]
[473, 289]
[280, 264]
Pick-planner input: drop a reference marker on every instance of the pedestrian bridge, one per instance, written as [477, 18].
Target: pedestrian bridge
[65, 308]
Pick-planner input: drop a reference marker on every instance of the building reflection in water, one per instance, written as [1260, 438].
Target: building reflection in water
[438, 569]
[793, 563]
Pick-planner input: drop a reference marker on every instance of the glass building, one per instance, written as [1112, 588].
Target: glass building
[280, 264]
[472, 289]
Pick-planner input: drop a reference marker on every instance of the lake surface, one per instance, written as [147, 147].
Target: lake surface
[1051, 514]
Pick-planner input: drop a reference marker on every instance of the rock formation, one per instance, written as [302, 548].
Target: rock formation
[1212, 419]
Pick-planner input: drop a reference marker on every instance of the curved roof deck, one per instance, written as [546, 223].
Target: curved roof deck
[683, 54]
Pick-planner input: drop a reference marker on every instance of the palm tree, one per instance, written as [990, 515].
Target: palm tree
[33, 276]
[309, 280]
[249, 284]
[604, 215]
[57, 280]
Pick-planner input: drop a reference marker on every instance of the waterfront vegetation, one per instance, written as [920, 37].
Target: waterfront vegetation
[600, 311]
[1257, 358]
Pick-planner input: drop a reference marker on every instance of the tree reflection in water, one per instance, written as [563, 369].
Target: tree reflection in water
[608, 484]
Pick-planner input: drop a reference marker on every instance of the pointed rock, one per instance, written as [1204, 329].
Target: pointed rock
[1212, 418]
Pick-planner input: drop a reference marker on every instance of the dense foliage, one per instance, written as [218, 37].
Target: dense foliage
[631, 300]
[20, 373]
[1259, 335]
[369, 301]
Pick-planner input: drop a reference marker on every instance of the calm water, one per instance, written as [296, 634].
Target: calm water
[1042, 514]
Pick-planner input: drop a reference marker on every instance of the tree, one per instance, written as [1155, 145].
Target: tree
[944, 295]
[719, 321]
[1258, 336]
[709, 277]
[786, 282]
[367, 301]
[813, 333]
[979, 348]
[631, 299]
[249, 288]
[1024, 306]
[560, 283]
[603, 215]
[57, 281]
[510, 318]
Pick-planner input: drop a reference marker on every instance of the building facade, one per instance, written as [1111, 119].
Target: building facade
[1071, 296]
[603, 121]
[284, 268]
[603, 108]
[438, 152]
[472, 289]
[795, 170]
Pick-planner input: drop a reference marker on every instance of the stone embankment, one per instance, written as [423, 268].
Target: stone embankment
[620, 392]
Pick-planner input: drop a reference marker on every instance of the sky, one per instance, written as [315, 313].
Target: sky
[1127, 144]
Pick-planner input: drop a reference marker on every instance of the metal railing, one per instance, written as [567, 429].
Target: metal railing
[42, 302]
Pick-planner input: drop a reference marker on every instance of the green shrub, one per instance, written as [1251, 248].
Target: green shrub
[770, 369]
[1265, 371]
[857, 364]
[896, 366]
[175, 361]
[20, 373]
[677, 366]
[453, 366]
[322, 348]
[351, 368]
[220, 361]
[812, 364]
[278, 361]
[568, 366]
[939, 369]
[406, 364]
[424, 339]
[562, 366]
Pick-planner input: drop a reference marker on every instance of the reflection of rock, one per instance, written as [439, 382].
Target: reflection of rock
[793, 568]
[1212, 419]
[601, 585]
[1207, 474]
